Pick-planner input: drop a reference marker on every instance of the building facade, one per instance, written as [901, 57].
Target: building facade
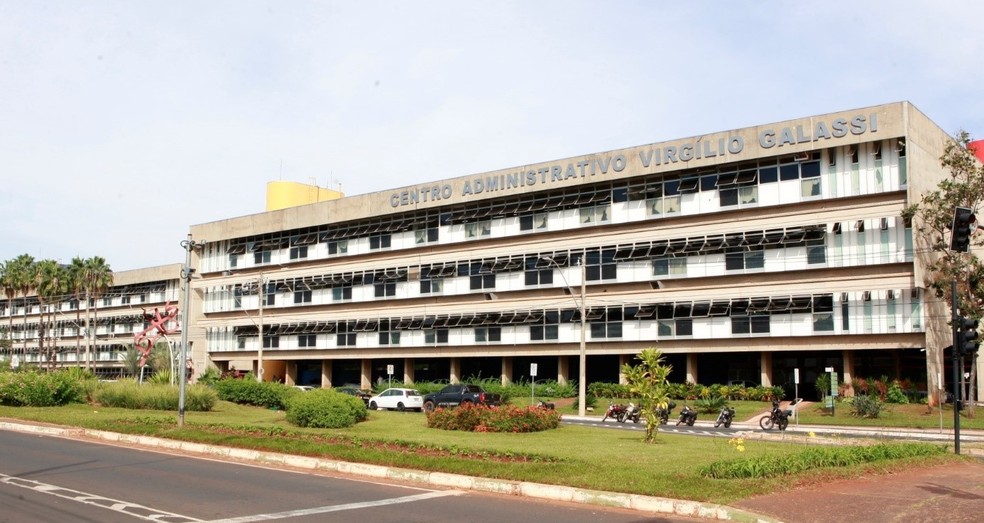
[742, 255]
[52, 333]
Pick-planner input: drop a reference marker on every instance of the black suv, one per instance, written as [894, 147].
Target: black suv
[355, 391]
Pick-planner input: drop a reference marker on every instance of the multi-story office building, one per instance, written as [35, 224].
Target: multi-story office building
[53, 333]
[742, 255]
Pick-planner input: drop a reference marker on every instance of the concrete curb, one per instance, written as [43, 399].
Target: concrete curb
[647, 504]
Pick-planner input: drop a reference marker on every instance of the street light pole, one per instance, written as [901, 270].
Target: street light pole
[186, 273]
[259, 351]
[582, 359]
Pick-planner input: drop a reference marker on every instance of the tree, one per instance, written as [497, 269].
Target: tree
[20, 271]
[931, 219]
[76, 285]
[9, 291]
[649, 380]
[98, 279]
[49, 281]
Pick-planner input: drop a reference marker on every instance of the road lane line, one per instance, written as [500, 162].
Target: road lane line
[337, 508]
[131, 509]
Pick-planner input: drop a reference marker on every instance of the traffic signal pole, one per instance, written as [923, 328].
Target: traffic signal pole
[956, 365]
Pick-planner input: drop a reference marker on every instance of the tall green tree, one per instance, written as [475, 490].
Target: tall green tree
[932, 218]
[50, 284]
[98, 279]
[76, 286]
[650, 381]
[21, 271]
[9, 291]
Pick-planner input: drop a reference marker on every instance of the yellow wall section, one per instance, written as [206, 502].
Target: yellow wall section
[282, 195]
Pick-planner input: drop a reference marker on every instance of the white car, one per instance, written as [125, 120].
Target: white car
[399, 399]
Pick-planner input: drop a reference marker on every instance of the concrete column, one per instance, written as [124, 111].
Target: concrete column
[290, 373]
[692, 367]
[848, 377]
[365, 380]
[563, 369]
[765, 369]
[455, 376]
[622, 360]
[507, 370]
[326, 373]
[407, 370]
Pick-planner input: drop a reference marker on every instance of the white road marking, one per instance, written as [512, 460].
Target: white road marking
[336, 508]
[131, 509]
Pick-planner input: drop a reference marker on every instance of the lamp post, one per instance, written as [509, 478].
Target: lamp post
[261, 285]
[582, 356]
[186, 273]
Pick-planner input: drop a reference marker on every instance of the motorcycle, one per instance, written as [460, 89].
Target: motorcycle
[725, 417]
[632, 412]
[540, 404]
[777, 418]
[664, 414]
[688, 416]
[614, 411]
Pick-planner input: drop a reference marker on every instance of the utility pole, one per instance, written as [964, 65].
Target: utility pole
[186, 273]
[261, 284]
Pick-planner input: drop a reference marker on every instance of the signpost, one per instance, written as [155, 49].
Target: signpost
[833, 389]
[532, 381]
[389, 370]
[796, 391]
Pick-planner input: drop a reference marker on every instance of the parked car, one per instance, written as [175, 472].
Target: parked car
[355, 391]
[454, 395]
[304, 388]
[399, 399]
[743, 383]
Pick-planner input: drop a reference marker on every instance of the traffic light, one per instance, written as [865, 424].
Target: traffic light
[964, 224]
[966, 342]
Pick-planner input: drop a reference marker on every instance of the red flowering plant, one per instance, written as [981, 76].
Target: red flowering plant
[480, 418]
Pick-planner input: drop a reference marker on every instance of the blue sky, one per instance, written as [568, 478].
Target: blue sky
[123, 123]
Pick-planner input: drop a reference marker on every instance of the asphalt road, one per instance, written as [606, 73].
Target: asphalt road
[50, 479]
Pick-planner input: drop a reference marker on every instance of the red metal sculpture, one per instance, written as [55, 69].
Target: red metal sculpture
[144, 341]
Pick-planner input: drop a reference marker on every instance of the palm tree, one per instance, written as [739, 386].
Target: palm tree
[20, 271]
[49, 280]
[8, 289]
[76, 285]
[98, 279]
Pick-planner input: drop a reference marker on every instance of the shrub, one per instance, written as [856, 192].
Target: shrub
[132, 395]
[866, 406]
[479, 418]
[816, 457]
[896, 394]
[267, 394]
[40, 389]
[326, 409]
[711, 405]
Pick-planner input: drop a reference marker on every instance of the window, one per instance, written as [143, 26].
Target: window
[385, 289]
[595, 213]
[547, 328]
[387, 335]
[823, 322]
[669, 328]
[269, 295]
[233, 260]
[845, 313]
[609, 325]
[488, 334]
[670, 266]
[664, 206]
[482, 281]
[338, 247]
[302, 296]
[816, 254]
[341, 293]
[431, 286]
[379, 241]
[600, 265]
[537, 275]
[422, 236]
[271, 342]
[478, 229]
[344, 337]
[125, 300]
[107, 302]
[744, 260]
[237, 298]
[307, 340]
[530, 222]
[755, 324]
[260, 257]
[299, 253]
[435, 336]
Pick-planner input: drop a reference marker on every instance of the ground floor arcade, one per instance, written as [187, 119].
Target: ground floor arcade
[764, 368]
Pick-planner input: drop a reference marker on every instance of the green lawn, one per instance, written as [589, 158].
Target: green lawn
[571, 455]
